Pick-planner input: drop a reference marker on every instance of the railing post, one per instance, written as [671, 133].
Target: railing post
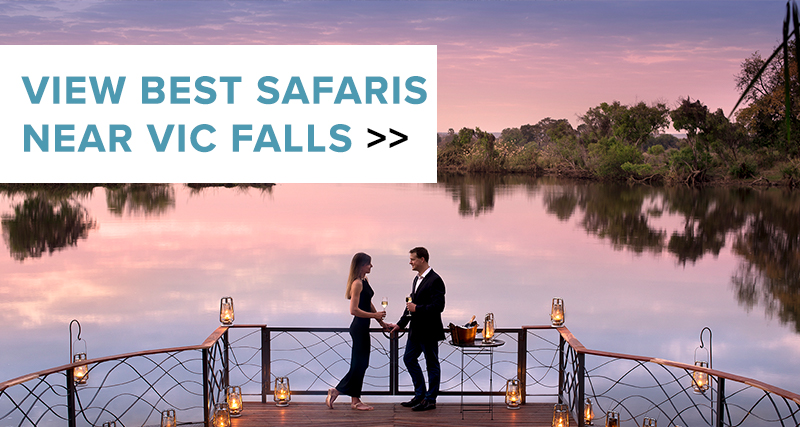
[225, 361]
[71, 398]
[522, 362]
[720, 402]
[267, 360]
[264, 363]
[561, 366]
[394, 356]
[581, 390]
[206, 391]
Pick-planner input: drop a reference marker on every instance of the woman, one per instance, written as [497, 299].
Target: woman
[360, 295]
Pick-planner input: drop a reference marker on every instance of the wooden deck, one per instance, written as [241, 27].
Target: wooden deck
[258, 414]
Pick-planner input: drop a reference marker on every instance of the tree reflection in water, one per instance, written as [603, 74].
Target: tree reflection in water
[145, 199]
[764, 226]
[39, 225]
[769, 247]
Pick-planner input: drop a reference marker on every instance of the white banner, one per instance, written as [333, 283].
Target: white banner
[218, 114]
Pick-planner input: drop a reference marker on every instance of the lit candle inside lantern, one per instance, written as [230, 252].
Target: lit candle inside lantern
[557, 312]
[80, 373]
[649, 422]
[222, 417]
[612, 419]
[588, 412]
[488, 328]
[168, 418]
[235, 400]
[226, 311]
[513, 394]
[283, 393]
[700, 379]
[560, 416]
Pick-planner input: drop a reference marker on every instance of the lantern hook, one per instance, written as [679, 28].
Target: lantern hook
[70, 336]
[710, 346]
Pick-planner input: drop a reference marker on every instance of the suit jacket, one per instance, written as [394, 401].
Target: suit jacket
[426, 320]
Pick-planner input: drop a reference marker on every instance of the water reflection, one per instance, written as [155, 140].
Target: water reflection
[769, 247]
[39, 225]
[684, 258]
[475, 194]
[764, 222]
[145, 199]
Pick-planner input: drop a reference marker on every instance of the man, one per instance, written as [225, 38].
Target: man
[424, 313]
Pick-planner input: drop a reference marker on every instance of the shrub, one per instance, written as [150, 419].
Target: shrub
[656, 150]
[742, 170]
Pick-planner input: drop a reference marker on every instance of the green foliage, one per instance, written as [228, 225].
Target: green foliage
[513, 136]
[542, 133]
[656, 150]
[633, 125]
[637, 169]
[791, 170]
[608, 156]
[772, 88]
[745, 169]
[665, 140]
[706, 133]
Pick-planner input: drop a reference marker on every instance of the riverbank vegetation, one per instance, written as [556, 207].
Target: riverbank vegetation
[616, 142]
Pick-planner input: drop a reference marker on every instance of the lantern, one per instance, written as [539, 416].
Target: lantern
[612, 419]
[699, 378]
[283, 394]
[80, 373]
[226, 311]
[513, 394]
[560, 416]
[557, 312]
[235, 400]
[168, 418]
[488, 328]
[588, 412]
[700, 382]
[649, 422]
[110, 424]
[222, 418]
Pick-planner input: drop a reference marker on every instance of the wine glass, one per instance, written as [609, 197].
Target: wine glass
[408, 299]
[384, 302]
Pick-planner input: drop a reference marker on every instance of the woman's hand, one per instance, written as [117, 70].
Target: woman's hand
[379, 315]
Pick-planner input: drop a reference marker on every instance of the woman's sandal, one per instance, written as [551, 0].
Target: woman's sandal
[332, 395]
[361, 406]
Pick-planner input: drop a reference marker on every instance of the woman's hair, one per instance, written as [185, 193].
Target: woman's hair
[359, 261]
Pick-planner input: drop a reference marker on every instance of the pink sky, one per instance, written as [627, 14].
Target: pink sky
[501, 64]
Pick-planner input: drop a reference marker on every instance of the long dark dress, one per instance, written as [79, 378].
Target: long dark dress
[352, 383]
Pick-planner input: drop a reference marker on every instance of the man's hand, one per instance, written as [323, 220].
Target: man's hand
[411, 307]
[394, 329]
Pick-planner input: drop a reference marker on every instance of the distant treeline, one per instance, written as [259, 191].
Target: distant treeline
[630, 143]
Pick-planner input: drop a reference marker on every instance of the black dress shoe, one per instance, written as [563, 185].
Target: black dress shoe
[424, 406]
[413, 402]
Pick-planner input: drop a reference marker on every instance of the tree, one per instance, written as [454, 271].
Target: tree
[540, 132]
[767, 83]
[706, 133]
[631, 125]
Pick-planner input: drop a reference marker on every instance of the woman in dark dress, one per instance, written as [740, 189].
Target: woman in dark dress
[360, 295]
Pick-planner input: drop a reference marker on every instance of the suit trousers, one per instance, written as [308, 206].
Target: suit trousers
[430, 348]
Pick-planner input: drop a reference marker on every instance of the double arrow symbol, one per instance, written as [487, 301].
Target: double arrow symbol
[382, 138]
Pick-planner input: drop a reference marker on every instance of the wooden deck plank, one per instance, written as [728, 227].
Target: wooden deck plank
[257, 414]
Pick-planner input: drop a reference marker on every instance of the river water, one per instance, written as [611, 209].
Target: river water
[641, 269]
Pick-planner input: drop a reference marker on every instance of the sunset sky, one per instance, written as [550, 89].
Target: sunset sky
[500, 64]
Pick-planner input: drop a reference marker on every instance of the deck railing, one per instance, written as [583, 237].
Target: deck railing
[550, 363]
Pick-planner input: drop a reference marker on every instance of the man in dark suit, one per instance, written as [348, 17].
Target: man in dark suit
[424, 313]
